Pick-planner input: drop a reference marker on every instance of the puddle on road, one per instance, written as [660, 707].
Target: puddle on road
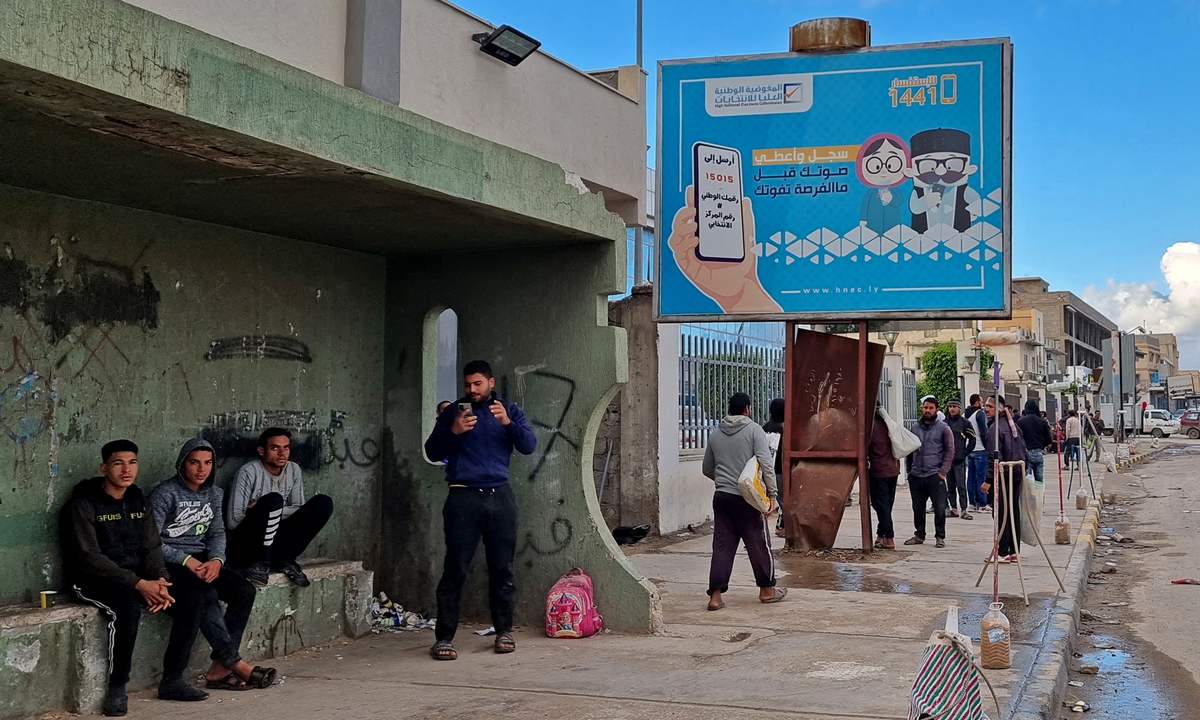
[1153, 686]
[813, 574]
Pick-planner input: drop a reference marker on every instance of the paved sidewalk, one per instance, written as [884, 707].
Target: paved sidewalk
[844, 645]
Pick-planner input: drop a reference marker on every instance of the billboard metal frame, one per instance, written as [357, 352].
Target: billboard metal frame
[848, 316]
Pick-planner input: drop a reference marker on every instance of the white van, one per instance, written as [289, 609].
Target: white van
[1159, 423]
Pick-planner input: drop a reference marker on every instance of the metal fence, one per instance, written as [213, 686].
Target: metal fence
[715, 364]
[911, 412]
[884, 397]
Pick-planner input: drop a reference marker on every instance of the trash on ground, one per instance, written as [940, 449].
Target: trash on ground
[485, 633]
[387, 616]
[628, 535]
[1075, 683]
[1186, 581]
[1108, 530]
[1087, 614]
[1108, 569]
[1121, 538]
[1089, 669]
[1104, 646]
[1112, 622]
[1116, 604]
[1080, 707]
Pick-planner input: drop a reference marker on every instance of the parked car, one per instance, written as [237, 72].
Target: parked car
[1159, 423]
[1189, 424]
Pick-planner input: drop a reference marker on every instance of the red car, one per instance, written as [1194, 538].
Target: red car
[1189, 424]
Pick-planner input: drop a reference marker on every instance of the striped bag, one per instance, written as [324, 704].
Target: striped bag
[947, 684]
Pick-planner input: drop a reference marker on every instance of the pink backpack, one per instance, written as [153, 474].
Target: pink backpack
[571, 607]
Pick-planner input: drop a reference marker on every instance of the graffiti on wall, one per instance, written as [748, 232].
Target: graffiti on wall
[234, 435]
[259, 347]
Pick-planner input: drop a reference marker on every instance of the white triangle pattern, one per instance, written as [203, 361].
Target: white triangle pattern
[982, 241]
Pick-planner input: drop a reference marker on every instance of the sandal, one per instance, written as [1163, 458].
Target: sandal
[914, 540]
[779, 594]
[505, 644]
[718, 606]
[967, 516]
[261, 677]
[443, 650]
[940, 543]
[879, 543]
[229, 682]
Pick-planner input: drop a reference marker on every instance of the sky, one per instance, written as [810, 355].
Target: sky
[1106, 135]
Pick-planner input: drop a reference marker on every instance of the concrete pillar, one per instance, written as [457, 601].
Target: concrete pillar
[373, 48]
[639, 410]
[893, 367]
[970, 384]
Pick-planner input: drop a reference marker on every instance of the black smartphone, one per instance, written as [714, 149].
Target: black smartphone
[717, 183]
[465, 407]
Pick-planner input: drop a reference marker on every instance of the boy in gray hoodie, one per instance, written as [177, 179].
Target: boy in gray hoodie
[187, 510]
[734, 520]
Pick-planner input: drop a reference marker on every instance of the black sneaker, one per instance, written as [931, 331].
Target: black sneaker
[259, 573]
[115, 704]
[181, 691]
[294, 573]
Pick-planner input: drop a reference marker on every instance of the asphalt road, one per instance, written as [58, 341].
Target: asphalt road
[1144, 632]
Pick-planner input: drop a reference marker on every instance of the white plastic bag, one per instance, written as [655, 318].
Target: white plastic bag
[752, 488]
[904, 441]
[773, 443]
[1033, 496]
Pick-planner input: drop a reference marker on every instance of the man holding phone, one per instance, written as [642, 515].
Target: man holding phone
[477, 438]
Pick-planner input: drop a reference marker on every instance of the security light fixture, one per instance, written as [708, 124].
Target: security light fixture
[891, 336]
[1020, 374]
[507, 44]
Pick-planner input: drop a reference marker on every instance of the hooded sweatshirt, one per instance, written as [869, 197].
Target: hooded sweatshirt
[1033, 428]
[106, 539]
[190, 520]
[737, 440]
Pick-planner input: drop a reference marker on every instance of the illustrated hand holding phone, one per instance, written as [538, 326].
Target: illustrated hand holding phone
[712, 236]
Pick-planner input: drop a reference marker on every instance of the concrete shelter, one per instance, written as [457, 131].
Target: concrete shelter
[199, 239]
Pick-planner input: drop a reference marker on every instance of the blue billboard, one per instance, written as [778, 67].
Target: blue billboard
[842, 186]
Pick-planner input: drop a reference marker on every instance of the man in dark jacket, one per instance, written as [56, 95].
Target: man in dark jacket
[1011, 449]
[187, 510]
[927, 470]
[112, 558]
[956, 481]
[775, 425]
[1036, 433]
[884, 470]
[477, 438]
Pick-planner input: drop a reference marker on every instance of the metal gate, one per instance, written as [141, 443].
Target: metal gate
[713, 368]
[911, 412]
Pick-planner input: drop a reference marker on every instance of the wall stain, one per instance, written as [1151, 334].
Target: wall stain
[259, 347]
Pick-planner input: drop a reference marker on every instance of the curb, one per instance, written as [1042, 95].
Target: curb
[1041, 697]
[1138, 458]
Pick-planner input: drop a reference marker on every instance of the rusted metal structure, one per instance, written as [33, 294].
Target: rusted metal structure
[831, 391]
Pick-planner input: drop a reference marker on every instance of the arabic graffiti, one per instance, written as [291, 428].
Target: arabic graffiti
[259, 347]
[234, 435]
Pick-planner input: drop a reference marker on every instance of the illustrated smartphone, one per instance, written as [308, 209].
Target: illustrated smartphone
[465, 407]
[717, 182]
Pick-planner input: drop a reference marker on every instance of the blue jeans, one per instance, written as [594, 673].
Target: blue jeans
[1035, 461]
[976, 474]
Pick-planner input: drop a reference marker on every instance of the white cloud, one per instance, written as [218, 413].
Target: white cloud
[1176, 310]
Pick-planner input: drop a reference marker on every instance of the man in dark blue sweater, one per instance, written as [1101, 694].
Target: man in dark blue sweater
[477, 438]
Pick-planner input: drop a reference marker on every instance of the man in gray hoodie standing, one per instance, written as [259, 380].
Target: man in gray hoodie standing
[737, 440]
[187, 510]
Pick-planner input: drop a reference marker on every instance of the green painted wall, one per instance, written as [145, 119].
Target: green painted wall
[81, 364]
[539, 316]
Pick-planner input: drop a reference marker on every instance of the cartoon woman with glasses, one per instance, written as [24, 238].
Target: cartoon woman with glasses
[881, 163]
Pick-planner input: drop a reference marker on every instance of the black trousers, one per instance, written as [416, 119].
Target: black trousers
[469, 515]
[265, 536]
[1010, 539]
[883, 498]
[956, 486]
[223, 631]
[124, 606]
[737, 521]
[924, 489]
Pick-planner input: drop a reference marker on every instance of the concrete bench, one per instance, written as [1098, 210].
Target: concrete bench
[57, 659]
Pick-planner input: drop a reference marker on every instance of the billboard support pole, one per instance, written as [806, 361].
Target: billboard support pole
[789, 349]
[864, 413]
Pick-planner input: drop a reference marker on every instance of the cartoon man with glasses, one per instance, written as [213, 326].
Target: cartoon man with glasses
[941, 165]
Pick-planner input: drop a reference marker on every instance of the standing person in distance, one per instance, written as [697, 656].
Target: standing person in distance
[478, 438]
[735, 521]
[927, 471]
[1073, 430]
[956, 481]
[776, 425]
[976, 454]
[1011, 449]
[884, 471]
[1036, 433]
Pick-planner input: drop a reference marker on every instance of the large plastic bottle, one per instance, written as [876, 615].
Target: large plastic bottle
[995, 645]
[1062, 530]
[1081, 499]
